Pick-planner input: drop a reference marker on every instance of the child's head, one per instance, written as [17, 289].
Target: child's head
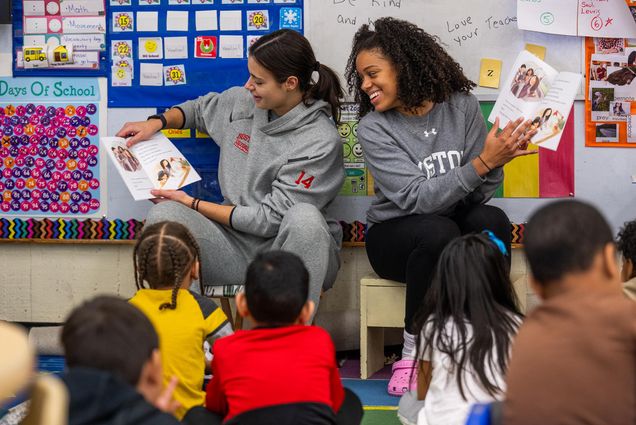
[288, 56]
[402, 63]
[471, 285]
[109, 334]
[566, 238]
[167, 256]
[626, 243]
[472, 276]
[276, 290]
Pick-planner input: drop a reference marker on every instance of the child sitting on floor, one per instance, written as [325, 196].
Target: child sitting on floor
[465, 328]
[573, 361]
[281, 372]
[114, 366]
[627, 248]
[167, 258]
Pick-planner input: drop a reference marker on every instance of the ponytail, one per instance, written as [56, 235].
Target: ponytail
[287, 53]
[327, 88]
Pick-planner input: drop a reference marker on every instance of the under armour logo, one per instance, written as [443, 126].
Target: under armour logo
[433, 132]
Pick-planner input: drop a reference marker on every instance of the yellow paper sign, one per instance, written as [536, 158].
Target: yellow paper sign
[489, 73]
[535, 49]
[175, 133]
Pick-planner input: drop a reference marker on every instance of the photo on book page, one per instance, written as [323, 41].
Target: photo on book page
[153, 164]
[537, 92]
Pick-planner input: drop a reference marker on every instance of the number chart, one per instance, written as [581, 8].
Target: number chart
[49, 147]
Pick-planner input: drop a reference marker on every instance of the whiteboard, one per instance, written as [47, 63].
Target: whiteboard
[469, 30]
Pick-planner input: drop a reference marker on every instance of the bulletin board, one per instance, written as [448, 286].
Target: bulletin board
[54, 25]
[164, 52]
[469, 31]
[610, 96]
[49, 148]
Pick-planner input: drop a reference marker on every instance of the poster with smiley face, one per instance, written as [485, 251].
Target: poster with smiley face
[356, 178]
[49, 155]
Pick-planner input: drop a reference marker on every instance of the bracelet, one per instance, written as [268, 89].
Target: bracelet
[164, 122]
[484, 162]
[194, 204]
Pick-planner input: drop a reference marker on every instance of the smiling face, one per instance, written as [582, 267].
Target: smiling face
[379, 80]
[269, 93]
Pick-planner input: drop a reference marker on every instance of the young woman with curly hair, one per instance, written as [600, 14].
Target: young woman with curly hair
[434, 162]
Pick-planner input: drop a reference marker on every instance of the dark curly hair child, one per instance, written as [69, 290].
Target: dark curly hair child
[166, 259]
[434, 162]
[626, 244]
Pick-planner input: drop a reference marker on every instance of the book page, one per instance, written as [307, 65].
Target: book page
[525, 87]
[153, 164]
[553, 110]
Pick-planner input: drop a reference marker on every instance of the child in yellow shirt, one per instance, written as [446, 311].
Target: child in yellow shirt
[166, 258]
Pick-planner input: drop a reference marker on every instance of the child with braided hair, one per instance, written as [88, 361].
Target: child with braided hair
[166, 258]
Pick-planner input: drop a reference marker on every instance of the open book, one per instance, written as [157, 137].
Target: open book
[153, 164]
[537, 92]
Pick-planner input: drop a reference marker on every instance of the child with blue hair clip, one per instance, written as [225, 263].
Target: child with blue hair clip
[465, 329]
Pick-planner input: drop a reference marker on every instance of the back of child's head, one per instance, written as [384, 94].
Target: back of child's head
[109, 334]
[425, 71]
[163, 257]
[564, 237]
[471, 284]
[276, 287]
[626, 241]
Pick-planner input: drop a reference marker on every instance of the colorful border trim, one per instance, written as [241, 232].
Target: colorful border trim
[74, 229]
[69, 229]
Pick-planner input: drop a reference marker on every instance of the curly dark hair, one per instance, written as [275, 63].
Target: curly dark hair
[425, 70]
[626, 241]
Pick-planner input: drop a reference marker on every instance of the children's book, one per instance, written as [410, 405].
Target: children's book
[152, 164]
[536, 91]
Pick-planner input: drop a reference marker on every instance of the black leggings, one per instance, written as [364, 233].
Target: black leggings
[406, 249]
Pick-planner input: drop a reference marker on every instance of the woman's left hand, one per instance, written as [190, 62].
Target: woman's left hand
[503, 146]
[171, 195]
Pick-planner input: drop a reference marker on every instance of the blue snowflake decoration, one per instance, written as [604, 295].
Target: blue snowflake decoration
[291, 17]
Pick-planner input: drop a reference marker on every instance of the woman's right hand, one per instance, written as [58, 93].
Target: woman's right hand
[139, 130]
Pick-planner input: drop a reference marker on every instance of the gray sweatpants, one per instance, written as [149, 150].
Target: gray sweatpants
[227, 253]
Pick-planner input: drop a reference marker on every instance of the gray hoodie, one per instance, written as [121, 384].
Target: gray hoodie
[267, 167]
[415, 174]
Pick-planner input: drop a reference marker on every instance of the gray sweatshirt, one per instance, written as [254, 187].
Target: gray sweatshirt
[267, 167]
[415, 174]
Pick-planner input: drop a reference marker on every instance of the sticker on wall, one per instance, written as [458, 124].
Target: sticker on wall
[35, 57]
[251, 39]
[60, 55]
[174, 75]
[150, 48]
[120, 2]
[128, 64]
[205, 46]
[123, 21]
[121, 49]
[291, 17]
[257, 20]
[232, 1]
[121, 77]
[258, 1]
[149, 2]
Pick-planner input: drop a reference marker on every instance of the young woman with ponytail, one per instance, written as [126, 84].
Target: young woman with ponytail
[280, 164]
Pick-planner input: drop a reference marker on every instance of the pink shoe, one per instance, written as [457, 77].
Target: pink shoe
[399, 382]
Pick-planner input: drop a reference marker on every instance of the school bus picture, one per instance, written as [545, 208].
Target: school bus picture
[34, 54]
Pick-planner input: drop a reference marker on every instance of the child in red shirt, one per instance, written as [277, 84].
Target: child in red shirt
[281, 371]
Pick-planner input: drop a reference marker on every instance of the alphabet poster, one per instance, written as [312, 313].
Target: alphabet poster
[49, 147]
